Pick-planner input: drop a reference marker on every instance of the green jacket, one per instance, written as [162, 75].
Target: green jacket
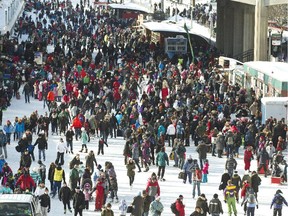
[161, 158]
[130, 169]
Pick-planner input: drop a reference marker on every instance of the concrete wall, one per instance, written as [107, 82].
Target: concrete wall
[235, 27]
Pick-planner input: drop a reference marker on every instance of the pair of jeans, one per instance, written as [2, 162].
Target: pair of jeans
[56, 187]
[250, 211]
[70, 144]
[189, 175]
[196, 184]
[8, 138]
[41, 151]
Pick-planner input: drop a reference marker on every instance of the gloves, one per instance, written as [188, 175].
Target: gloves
[257, 206]
[271, 207]
[48, 210]
[225, 201]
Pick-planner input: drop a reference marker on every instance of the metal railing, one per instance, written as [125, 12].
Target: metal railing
[246, 56]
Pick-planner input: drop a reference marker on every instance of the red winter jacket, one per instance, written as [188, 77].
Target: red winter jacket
[152, 188]
[25, 182]
[180, 207]
[76, 123]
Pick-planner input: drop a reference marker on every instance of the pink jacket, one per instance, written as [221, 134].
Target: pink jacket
[205, 168]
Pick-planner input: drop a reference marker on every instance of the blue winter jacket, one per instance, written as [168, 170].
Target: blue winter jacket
[8, 128]
[278, 201]
[20, 127]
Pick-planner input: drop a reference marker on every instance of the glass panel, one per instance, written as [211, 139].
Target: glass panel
[15, 209]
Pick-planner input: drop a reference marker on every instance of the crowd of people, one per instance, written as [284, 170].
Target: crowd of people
[104, 79]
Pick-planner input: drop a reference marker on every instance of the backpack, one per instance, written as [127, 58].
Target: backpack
[230, 140]
[279, 200]
[173, 208]
[251, 199]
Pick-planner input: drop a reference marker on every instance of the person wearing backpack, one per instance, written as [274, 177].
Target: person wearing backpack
[215, 206]
[277, 202]
[179, 207]
[250, 202]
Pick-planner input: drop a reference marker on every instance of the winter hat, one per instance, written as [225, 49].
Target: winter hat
[278, 191]
[108, 205]
[215, 196]
[181, 196]
[82, 129]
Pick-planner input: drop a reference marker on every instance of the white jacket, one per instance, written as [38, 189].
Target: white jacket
[171, 130]
[61, 147]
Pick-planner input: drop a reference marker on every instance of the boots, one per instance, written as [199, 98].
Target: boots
[81, 150]
[86, 151]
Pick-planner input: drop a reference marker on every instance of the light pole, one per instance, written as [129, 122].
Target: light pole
[270, 43]
[192, 4]
[281, 50]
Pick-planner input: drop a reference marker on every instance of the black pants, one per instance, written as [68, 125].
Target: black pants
[66, 203]
[27, 98]
[279, 211]
[86, 204]
[161, 171]
[101, 149]
[171, 137]
[131, 180]
[77, 210]
[137, 164]
[60, 158]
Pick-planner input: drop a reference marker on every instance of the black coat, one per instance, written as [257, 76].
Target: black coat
[224, 179]
[202, 202]
[255, 182]
[45, 200]
[65, 194]
[41, 142]
[79, 200]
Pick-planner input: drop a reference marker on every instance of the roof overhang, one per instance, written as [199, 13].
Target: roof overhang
[129, 6]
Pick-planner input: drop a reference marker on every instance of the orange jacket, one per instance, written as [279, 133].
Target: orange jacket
[50, 96]
[76, 123]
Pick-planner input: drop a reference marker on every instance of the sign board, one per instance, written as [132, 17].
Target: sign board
[176, 45]
[276, 39]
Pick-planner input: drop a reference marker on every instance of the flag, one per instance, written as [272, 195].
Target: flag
[190, 44]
